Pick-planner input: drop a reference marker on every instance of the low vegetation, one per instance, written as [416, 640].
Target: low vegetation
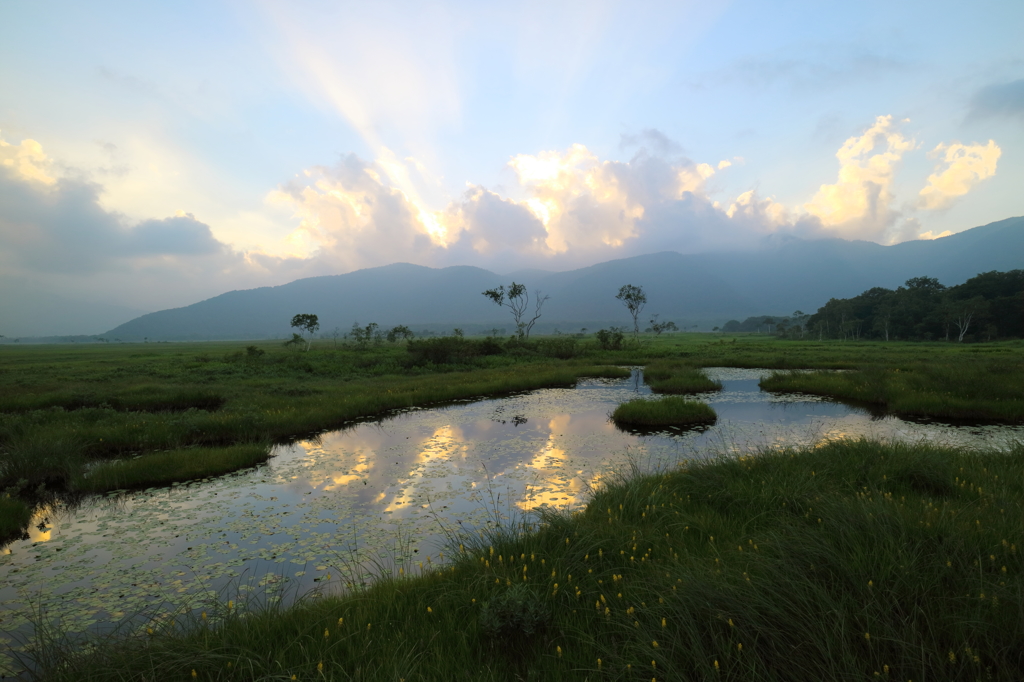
[961, 391]
[669, 411]
[14, 515]
[675, 376]
[64, 408]
[848, 561]
[171, 466]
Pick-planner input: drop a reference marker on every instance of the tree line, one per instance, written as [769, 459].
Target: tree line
[515, 298]
[985, 307]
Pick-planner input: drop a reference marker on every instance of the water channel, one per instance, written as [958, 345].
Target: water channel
[299, 520]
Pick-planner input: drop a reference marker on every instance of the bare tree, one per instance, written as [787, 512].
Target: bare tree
[634, 299]
[517, 300]
[963, 313]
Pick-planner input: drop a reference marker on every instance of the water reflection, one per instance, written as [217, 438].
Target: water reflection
[298, 518]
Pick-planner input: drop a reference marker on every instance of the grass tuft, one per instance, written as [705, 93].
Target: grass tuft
[668, 411]
[677, 377]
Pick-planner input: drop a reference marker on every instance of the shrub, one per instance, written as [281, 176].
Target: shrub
[610, 339]
[451, 350]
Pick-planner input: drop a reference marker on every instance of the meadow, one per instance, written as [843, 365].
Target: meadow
[91, 418]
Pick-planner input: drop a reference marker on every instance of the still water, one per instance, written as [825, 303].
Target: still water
[385, 488]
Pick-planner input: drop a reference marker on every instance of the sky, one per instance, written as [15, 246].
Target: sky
[157, 154]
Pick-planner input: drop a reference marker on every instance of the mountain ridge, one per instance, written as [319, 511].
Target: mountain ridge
[778, 278]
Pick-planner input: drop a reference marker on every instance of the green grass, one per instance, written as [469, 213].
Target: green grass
[667, 411]
[677, 377]
[163, 468]
[14, 516]
[849, 561]
[957, 390]
[63, 407]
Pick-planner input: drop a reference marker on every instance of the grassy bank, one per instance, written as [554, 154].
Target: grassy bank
[164, 468]
[667, 411]
[954, 390]
[51, 445]
[850, 561]
[677, 377]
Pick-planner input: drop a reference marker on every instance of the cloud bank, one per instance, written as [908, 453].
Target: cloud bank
[569, 207]
[566, 208]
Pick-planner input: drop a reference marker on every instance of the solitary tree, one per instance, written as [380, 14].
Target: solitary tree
[399, 332]
[659, 327]
[307, 323]
[517, 300]
[634, 299]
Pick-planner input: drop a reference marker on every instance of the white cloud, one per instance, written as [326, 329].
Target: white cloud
[965, 166]
[27, 160]
[930, 235]
[859, 204]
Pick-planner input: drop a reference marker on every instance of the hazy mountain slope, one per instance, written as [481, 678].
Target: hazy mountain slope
[781, 276]
[25, 312]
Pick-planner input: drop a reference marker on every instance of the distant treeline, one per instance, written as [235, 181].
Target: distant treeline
[985, 307]
[766, 324]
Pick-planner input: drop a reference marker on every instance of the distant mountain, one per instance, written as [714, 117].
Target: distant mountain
[25, 312]
[781, 276]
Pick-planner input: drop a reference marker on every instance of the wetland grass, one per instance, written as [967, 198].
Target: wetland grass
[164, 468]
[676, 377]
[960, 391]
[852, 560]
[667, 411]
[14, 516]
[63, 407]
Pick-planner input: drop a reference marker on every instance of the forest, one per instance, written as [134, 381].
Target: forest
[986, 307]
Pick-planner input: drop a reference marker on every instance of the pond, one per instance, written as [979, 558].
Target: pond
[385, 489]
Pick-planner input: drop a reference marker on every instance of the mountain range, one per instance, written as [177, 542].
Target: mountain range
[695, 289]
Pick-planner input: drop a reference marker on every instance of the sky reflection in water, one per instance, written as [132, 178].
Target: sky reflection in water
[300, 517]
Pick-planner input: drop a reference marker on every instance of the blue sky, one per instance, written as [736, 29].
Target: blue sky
[157, 154]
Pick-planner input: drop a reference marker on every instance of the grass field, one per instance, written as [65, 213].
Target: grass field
[63, 408]
[849, 561]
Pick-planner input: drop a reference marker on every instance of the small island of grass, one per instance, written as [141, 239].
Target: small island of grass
[673, 376]
[668, 411]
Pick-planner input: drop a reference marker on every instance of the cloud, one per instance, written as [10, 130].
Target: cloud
[61, 227]
[652, 139]
[858, 204]
[27, 161]
[352, 216]
[493, 224]
[931, 235]
[965, 167]
[571, 208]
[816, 67]
[56, 236]
[999, 99]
